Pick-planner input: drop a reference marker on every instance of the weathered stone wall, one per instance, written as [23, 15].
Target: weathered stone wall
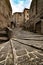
[5, 14]
[26, 14]
[32, 12]
[42, 27]
[18, 17]
[39, 6]
[26, 18]
[36, 14]
[21, 19]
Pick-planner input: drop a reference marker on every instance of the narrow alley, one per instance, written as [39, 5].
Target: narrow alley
[21, 32]
[24, 48]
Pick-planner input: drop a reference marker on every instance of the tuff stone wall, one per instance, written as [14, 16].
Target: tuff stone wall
[42, 27]
[18, 17]
[26, 14]
[5, 13]
[36, 14]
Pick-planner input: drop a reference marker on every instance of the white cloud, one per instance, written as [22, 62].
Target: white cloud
[27, 3]
[20, 6]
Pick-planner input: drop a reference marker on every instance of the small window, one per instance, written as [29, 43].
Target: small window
[27, 16]
[27, 11]
[41, 17]
[20, 14]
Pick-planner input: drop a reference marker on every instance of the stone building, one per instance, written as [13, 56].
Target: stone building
[36, 16]
[5, 13]
[18, 18]
[5, 20]
[26, 14]
[26, 18]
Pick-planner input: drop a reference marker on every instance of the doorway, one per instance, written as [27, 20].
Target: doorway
[38, 27]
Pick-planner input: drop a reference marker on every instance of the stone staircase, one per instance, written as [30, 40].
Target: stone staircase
[3, 35]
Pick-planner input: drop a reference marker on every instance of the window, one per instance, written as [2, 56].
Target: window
[27, 11]
[20, 14]
[41, 17]
[27, 16]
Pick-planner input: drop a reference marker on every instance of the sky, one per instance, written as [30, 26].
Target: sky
[19, 5]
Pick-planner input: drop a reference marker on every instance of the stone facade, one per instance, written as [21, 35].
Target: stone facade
[26, 14]
[18, 18]
[26, 18]
[5, 13]
[36, 16]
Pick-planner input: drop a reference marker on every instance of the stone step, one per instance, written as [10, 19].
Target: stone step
[3, 39]
[2, 31]
[3, 35]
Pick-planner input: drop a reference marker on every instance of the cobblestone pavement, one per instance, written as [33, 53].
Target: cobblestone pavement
[26, 55]
[25, 48]
[28, 38]
[6, 54]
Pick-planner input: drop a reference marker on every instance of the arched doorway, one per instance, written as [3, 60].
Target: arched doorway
[38, 27]
[12, 24]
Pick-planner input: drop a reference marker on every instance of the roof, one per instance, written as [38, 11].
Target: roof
[18, 13]
[26, 9]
